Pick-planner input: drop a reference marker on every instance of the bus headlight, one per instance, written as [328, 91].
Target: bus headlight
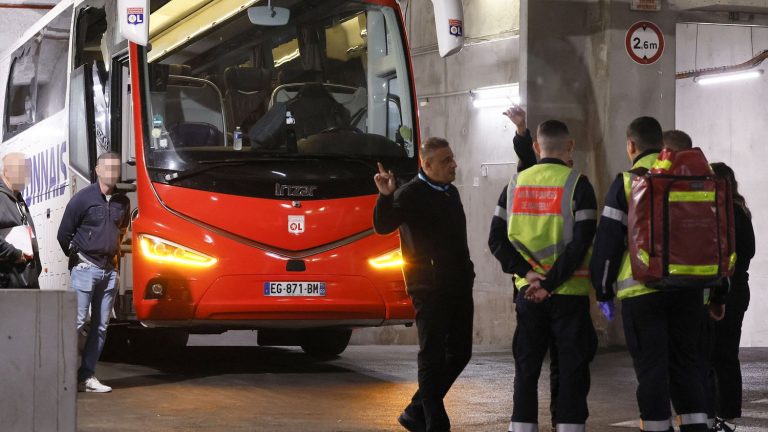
[162, 250]
[388, 260]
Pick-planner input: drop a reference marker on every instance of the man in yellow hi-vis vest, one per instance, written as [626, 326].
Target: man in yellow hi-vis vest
[661, 327]
[552, 221]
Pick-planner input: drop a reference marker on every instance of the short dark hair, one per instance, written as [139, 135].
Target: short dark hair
[677, 140]
[107, 155]
[431, 145]
[553, 129]
[553, 136]
[646, 133]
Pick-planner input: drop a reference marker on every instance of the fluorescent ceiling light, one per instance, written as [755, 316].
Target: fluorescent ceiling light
[715, 79]
[496, 96]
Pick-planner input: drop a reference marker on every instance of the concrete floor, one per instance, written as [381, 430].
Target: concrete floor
[226, 383]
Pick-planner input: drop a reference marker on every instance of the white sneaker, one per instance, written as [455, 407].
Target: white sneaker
[92, 385]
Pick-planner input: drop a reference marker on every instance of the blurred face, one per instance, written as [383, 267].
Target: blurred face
[108, 171]
[15, 171]
[441, 166]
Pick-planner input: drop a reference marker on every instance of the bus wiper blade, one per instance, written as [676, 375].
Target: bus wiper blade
[207, 165]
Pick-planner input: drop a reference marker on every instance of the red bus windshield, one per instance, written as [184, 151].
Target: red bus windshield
[320, 99]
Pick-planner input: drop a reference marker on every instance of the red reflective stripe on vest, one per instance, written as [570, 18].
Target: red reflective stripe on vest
[538, 200]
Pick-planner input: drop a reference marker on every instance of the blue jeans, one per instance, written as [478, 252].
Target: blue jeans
[95, 289]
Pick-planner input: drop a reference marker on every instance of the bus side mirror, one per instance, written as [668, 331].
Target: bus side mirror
[133, 18]
[269, 15]
[449, 24]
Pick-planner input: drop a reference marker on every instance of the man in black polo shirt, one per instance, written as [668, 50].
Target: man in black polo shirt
[93, 224]
[438, 274]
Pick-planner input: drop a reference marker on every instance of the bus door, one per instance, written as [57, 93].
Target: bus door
[88, 115]
[101, 119]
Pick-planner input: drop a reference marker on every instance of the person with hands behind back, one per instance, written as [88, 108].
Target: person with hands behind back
[498, 239]
[552, 220]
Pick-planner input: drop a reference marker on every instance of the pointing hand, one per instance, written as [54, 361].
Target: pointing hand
[385, 181]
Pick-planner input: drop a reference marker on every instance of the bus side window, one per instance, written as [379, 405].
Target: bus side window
[19, 98]
[82, 136]
[37, 80]
[52, 66]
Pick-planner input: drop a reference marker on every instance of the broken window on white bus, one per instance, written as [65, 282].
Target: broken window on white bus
[38, 77]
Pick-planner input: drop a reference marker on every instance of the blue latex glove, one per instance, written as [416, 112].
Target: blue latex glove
[607, 308]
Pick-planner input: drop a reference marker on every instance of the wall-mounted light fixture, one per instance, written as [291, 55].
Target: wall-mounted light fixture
[721, 78]
[496, 96]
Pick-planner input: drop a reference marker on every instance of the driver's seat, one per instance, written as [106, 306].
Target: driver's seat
[315, 110]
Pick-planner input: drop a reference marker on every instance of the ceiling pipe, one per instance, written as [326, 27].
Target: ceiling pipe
[26, 6]
[749, 64]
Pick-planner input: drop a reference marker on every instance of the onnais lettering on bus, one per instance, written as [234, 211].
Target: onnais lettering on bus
[294, 191]
[537, 200]
[48, 174]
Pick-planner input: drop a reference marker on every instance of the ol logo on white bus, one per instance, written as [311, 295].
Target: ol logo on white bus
[296, 224]
[135, 15]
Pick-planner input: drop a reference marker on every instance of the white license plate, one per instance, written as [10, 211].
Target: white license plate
[294, 289]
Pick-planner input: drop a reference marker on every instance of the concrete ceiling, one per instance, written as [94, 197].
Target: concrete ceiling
[750, 6]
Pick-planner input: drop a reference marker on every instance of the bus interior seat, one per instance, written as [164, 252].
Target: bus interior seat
[190, 108]
[315, 110]
[194, 134]
[247, 93]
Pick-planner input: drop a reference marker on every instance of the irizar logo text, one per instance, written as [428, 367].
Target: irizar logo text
[294, 191]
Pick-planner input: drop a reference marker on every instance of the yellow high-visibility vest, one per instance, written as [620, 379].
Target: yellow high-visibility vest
[541, 220]
[626, 286]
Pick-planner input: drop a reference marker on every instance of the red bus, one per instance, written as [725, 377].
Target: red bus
[255, 144]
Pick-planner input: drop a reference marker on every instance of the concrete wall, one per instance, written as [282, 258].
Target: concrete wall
[38, 360]
[729, 121]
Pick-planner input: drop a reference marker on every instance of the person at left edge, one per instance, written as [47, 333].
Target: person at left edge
[93, 224]
[438, 275]
[17, 268]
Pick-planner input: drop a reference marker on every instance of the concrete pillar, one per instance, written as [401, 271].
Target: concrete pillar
[38, 360]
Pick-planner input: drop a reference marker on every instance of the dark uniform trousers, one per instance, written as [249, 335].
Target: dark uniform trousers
[725, 356]
[663, 336]
[444, 324]
[564, 322]
[707, 377]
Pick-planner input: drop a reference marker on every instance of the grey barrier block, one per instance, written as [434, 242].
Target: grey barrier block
[38, 360]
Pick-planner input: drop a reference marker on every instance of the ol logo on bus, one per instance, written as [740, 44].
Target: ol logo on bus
[135, 15]
[456, 27]
[296, 224]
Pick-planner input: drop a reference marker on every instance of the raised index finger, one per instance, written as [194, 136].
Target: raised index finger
[381, 168]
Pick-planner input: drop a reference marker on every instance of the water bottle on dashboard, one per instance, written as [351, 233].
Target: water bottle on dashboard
[290, 123]
[238, 139]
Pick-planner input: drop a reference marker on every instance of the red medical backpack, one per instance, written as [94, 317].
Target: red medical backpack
[680, 225]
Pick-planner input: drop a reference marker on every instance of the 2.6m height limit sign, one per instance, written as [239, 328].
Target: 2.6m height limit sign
[644, 42]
